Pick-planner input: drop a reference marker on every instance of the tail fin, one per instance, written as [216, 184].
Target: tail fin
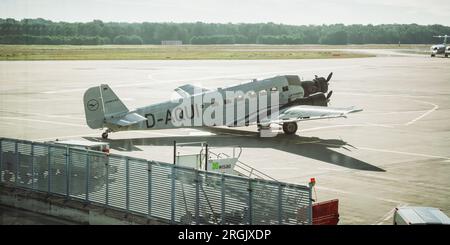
[101, 103]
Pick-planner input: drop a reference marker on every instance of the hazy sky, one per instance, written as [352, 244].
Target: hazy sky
[296, 12]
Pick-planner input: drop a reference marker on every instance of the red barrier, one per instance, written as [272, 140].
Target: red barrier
[326, 213]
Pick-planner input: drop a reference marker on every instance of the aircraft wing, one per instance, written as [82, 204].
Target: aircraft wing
[307, 112]
[127, 120]
[189, 89]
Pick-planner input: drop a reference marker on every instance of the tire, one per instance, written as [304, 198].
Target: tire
[446, 55]
[432, 55]
[290, 128]
[105, 136]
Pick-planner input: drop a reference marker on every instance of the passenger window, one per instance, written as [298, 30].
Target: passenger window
[285, 88]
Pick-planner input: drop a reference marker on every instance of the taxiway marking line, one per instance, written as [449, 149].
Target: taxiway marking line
[390, 151]
[204, 78]
[403, 153]
[388, 215]
[43, 115]
[42, 121]
[435, 107]
[66, 136]
[386, 95]
[162, 134]
[345, 125]
[362, 195]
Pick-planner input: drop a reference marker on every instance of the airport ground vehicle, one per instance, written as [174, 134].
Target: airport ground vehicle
[420, 216]
[443, 48]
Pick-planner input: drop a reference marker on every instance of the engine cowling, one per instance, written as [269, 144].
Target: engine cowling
[318, 84]
[317, 99]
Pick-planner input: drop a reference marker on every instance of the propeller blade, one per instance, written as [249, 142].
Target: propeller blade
[329, 94]
[329, 76]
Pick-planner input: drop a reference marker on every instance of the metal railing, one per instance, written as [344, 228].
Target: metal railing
[151, 189]
[245, 169]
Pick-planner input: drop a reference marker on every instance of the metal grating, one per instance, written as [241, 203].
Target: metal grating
[9, 159]
[58, 170]
[185, 196]
[24, 167]
[236, 201]
[161, 191]
[40, 167]
[296, 205]
[138, 186]
[210, 205]
[77, 173]
[265, 203]
[97, 177]
[116, 182]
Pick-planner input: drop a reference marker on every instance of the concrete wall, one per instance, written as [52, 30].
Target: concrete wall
[71, 210]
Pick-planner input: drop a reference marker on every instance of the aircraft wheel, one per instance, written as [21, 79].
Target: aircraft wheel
[290, 127]
[432, 55]
[105, 135]
[446, 55]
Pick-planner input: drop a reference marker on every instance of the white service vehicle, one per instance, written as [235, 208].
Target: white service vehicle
[420, 216]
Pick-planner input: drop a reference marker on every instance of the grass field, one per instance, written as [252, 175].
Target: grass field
[184, 52]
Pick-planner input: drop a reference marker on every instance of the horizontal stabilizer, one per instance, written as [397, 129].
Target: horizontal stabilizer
[127, 120]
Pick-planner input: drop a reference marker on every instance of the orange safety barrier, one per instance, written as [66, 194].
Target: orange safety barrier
[326, 213]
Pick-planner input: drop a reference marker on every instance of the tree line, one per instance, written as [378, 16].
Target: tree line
[41, 31]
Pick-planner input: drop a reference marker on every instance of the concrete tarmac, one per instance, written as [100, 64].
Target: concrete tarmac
[394, 153]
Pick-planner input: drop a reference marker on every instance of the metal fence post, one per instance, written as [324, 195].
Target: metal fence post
[206, 158]
[107, 182]
[280, 204]
[49, 171]
[174, 152]
[149, 189]
[250, 202]
[127, 184]
[310, 218]
[67, 172]
[32, 166]
[222, 198]
[88, 173]
[172, 203]
[197, 197]
[1, 160]
[17, 162]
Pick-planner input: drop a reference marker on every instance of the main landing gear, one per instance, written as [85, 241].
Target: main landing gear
[290, 127]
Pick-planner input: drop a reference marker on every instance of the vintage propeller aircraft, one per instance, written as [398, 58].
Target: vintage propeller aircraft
[288, 100]
[441, 48]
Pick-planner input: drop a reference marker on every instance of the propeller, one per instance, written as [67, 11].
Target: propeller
[329, 94]
[328, 97]
[329, 76]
